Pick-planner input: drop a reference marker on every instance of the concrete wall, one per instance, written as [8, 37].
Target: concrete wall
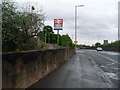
[22, 69]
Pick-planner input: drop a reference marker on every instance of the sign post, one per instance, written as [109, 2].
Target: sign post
[57, 37]
[58, 25]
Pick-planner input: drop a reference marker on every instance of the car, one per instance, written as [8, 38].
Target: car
[99, 49]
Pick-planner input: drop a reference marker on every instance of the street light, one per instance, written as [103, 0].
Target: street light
[76, 23]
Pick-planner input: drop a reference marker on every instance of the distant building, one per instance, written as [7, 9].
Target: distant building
[105, 42]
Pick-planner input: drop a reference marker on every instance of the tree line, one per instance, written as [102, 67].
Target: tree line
[113, 46]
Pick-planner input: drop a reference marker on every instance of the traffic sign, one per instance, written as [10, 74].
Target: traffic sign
[58, 24]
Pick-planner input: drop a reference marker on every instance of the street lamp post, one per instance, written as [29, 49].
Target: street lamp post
[76, 23]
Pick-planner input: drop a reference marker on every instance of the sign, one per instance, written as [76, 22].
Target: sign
[58, 24]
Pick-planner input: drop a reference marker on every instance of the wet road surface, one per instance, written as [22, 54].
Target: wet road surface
[107, 61]
[0, 71]
[81, 71]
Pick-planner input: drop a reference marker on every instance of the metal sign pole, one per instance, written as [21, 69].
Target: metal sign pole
[58, 24]
[58, 37]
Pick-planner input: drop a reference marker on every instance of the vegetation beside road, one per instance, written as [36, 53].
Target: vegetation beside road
[113, 46]
[25, 30]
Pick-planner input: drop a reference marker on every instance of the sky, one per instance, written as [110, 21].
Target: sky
[97, 20]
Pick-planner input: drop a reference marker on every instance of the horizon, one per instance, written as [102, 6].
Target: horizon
[94, 21]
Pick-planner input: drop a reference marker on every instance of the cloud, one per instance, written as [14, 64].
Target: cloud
[96, 18]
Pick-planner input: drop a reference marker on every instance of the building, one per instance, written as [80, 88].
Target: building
[105, 42]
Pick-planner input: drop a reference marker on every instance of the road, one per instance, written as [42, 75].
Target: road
[0, 71]
[86, 69]
[107, 61]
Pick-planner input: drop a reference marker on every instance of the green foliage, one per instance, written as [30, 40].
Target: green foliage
[97, 44]
[66, 41]
[42, 45]
[53, 38]
[48, 33]
[19, 28]
[50, 36]
[82, 46]
[48, 29]
[115, 44]
[10, 31]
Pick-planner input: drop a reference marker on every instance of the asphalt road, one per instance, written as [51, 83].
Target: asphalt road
[107, 61]
[86, 69]
[0, 71]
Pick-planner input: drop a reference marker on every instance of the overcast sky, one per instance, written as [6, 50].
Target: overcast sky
[97, 20]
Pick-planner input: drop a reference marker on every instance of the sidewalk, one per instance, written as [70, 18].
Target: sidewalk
[79, 72]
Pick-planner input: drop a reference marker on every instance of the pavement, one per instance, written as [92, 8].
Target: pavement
[81, 71]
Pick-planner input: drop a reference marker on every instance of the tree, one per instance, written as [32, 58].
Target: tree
[10, 30]
[53, 38]
[48, 33]
[66, 41]
[97, 44]
[19, 27]
[81, 46]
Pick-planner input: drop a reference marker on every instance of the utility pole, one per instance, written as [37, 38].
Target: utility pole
[76, 24]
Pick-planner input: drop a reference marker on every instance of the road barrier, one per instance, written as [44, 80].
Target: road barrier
[22, 69]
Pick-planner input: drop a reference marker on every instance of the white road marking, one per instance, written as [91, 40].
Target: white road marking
[110, 53]
[108, 58]
[111, 64]
[109, 67]
[111, 75]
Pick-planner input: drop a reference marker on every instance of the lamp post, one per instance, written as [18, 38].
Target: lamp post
[76, 23]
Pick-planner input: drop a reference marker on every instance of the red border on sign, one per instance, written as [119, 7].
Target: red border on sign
[58, 24]
[58, 21]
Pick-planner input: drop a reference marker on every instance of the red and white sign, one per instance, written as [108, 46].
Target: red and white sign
[58, 24]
